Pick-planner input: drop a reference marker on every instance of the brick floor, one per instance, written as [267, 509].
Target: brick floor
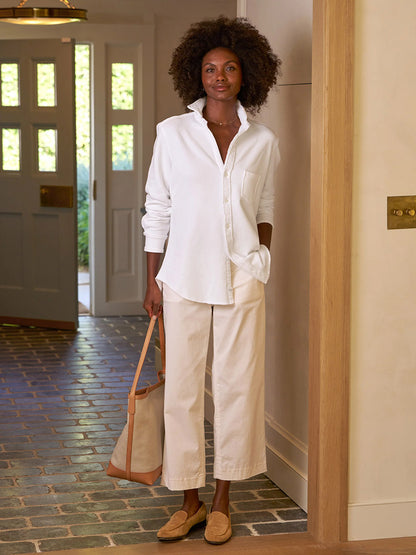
[62, 406]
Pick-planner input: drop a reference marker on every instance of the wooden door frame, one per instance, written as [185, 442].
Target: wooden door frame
[330, 268]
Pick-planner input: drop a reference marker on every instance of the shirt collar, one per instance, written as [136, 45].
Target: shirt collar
[199, 105]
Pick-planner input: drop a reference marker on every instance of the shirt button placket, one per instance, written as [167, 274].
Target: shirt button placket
[227, 206]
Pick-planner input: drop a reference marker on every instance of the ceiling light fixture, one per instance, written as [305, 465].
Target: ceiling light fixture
[43, 16]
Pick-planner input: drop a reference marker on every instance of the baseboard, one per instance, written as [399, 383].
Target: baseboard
[287, 458]
[287, 462]
[388, 519]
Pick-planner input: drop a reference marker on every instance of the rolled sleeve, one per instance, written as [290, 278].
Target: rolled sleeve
[156, 221]
[265, 212]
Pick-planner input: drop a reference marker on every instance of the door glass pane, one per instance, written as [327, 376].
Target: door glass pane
[45, 75]
[47, 150]
[10, 84]
[10, 149]
[122, 147]
[122, 86]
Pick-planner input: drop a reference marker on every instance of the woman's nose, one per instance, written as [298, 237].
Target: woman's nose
[220, 76]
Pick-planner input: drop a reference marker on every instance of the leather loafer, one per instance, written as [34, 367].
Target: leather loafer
[218, 529]
[180, 523]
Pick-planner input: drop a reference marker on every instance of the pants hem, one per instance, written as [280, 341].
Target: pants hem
[237, 474]
[183, 483]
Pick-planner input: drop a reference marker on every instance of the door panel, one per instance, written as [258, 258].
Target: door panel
[38, 265]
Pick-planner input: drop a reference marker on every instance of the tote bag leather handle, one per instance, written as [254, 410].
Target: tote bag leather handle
[131, 405]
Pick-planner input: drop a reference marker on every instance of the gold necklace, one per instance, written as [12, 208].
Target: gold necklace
[223, 122]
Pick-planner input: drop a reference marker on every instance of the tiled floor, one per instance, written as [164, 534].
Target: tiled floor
[62, 406]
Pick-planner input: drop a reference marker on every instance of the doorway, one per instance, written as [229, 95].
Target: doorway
[83, 157]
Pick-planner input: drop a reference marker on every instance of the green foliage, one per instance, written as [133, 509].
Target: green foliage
[122, 146]
[83, 215]
[82, 102]
[122, 86]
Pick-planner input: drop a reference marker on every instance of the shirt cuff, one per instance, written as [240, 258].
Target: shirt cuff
[154, 244]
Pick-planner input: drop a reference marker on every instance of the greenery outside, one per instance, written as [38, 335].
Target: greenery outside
[82, 102]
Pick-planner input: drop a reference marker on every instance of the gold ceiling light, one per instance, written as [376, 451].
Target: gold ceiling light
[43, 16]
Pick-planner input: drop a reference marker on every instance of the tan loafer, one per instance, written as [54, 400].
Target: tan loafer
[218, 528]
[179, 524]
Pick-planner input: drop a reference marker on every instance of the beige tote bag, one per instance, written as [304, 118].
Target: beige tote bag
[137, 455]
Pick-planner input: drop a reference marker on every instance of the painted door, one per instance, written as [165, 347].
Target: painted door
[38, 263]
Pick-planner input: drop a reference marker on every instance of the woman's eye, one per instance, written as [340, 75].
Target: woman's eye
[230, 68]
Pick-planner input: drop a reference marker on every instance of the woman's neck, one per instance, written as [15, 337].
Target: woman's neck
[221, 113]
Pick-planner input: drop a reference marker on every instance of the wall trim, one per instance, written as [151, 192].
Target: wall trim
[290, 476]
[330, 267]
[386, 519]
[287, 462]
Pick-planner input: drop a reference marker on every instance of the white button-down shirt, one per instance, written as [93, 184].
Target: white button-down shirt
[209, 208]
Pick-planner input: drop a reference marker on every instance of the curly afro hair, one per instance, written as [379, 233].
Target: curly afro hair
[260, 66]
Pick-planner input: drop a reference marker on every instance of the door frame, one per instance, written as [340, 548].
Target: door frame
[330, 268]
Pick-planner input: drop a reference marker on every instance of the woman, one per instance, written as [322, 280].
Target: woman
[210, 189]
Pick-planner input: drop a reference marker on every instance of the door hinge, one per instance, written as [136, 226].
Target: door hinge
[94, 190]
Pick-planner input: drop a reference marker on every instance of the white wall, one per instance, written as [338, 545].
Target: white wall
[288, 26]
[382, 492]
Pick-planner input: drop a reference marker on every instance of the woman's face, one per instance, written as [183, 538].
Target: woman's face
[221, 74]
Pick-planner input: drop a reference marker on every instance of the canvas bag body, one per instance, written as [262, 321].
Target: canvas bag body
[137, 455]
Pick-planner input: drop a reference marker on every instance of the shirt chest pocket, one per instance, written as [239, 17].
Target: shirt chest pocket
[250, 185]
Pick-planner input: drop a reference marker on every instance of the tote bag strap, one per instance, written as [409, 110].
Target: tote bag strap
[131, 407]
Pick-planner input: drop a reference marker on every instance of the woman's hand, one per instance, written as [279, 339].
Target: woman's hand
[153, 300]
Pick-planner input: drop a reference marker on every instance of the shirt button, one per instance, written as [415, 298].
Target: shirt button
[226, 174]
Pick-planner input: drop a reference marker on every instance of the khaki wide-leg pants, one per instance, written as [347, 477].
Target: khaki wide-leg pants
[237, 385]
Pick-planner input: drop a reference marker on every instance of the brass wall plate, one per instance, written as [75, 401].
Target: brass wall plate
[57, 196]
[401, 212]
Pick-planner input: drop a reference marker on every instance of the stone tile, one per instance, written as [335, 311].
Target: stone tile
[258, 504]
[12, 523]
[73, 468]
[134, 538]
[255, 516]
[27, 511]
[119, 494]
[53, 499]
[97, 507]
[84, 487]
[22, 492]
[33, 534]
[135, 514]
[280, 527]
[48, 480]
[9, 502]
[292, 514]
[274, 493]
[74, 543]
[174, 501]
[104, 528]
[64, 520]
[17, 548]
[153, 523]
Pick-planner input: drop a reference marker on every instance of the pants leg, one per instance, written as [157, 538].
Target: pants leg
[187, 326]
[238, 381]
